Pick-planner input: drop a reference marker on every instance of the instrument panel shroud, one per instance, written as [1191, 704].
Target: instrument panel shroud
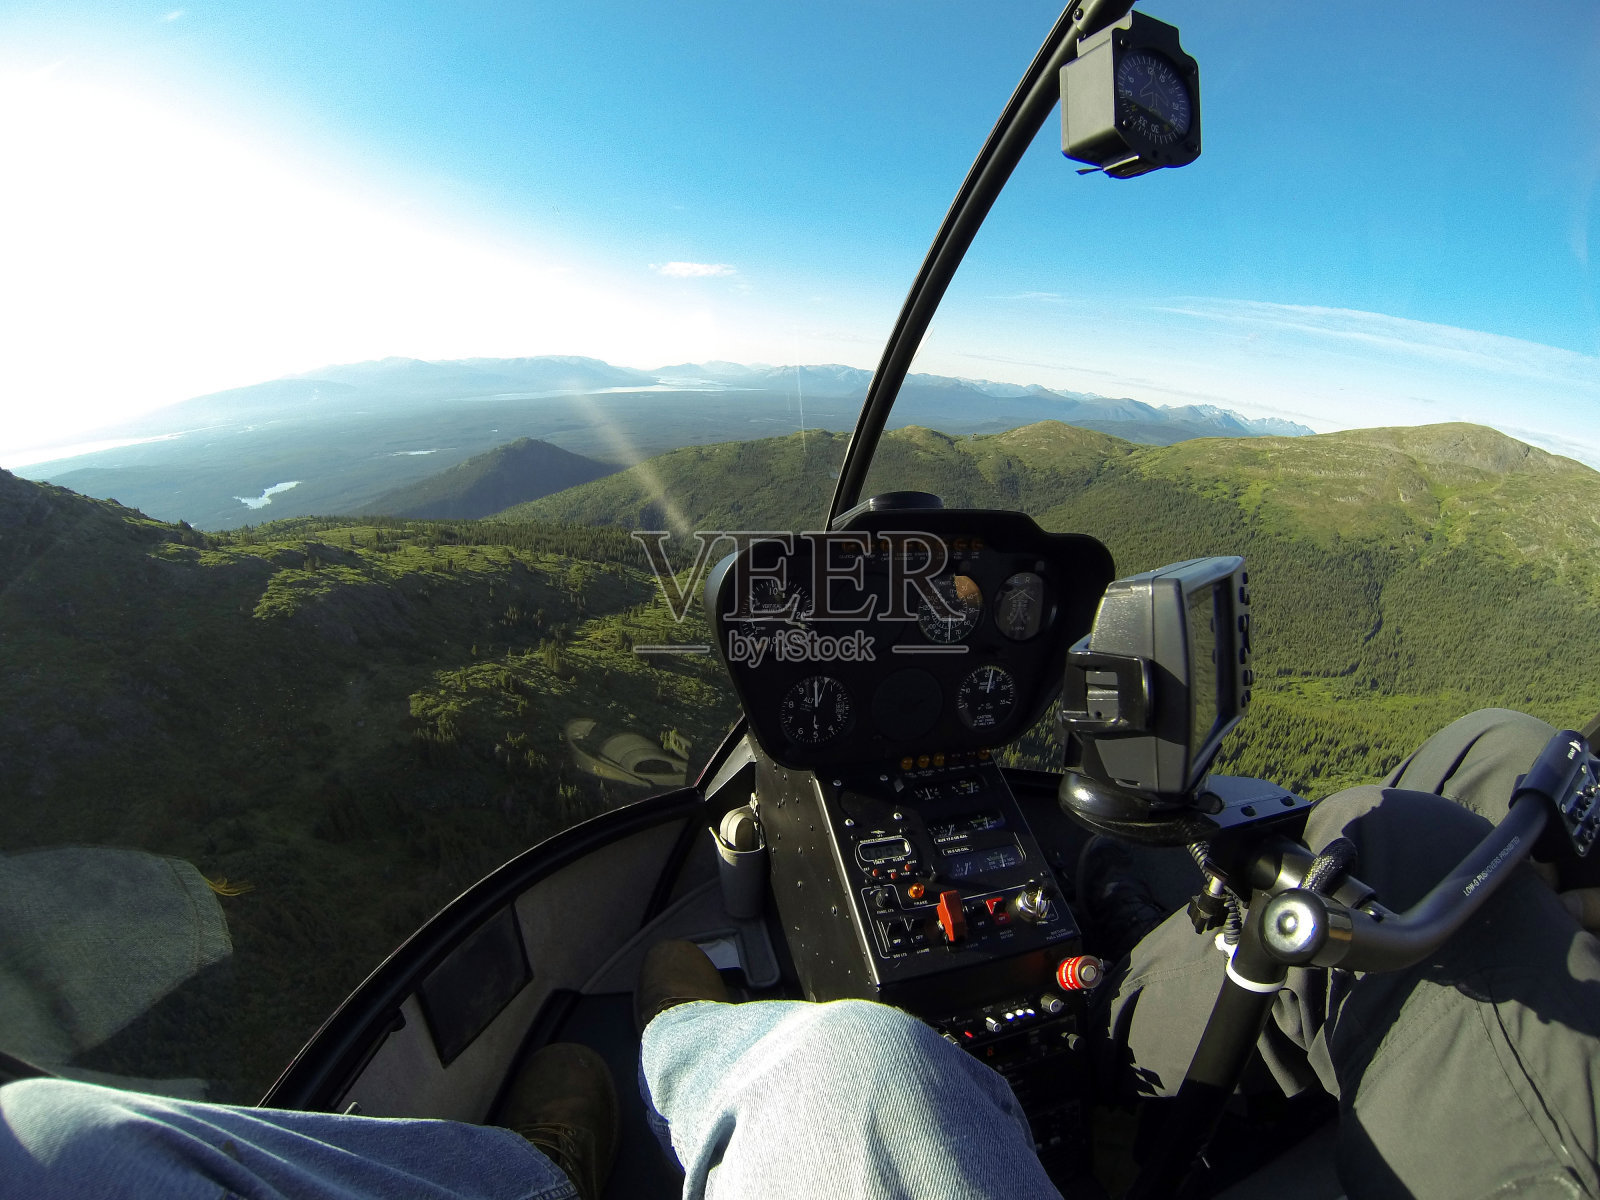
[824, 689]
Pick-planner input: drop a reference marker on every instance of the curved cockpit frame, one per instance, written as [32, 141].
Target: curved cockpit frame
[1031, 104]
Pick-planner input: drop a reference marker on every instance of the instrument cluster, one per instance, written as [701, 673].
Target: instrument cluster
[918, 637]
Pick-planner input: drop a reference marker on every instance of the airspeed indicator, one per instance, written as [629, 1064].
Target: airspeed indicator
[987, 697]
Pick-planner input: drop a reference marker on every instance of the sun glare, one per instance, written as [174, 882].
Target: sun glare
[149, 255]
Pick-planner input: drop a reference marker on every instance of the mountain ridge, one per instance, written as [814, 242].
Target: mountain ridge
[514, 473]
[1404, 488]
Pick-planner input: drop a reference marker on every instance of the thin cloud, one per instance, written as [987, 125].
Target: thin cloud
[1445, 344]
[692, 270]
[1151, 390]
[173, 15]
[1366, 368]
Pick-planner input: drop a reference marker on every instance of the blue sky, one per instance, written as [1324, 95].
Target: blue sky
[1392, 222]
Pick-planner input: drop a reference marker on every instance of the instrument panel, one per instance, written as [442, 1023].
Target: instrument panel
[924, 637]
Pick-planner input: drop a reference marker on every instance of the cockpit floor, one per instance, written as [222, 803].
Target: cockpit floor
[605, 1023]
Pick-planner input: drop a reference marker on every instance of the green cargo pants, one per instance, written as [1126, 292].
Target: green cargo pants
[1475, 1073]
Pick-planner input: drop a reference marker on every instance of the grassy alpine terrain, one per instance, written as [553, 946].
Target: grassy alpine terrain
[1401, 577]
[342, 723]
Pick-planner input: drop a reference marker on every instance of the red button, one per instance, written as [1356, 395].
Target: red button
[952, 919]
[997, 909]
[1080, 972]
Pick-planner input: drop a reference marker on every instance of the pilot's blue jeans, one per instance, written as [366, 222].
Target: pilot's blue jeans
[765, 1100]
[787, 1099]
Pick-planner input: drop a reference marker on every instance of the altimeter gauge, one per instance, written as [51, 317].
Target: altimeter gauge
[815, 711]
[987, 697]
[951, 620]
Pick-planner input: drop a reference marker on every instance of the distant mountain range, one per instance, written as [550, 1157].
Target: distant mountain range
[1084, 409]
[339, 439]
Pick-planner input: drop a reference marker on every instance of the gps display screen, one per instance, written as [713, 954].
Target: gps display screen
[1203, 650]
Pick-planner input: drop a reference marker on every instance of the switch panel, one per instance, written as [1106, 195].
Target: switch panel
[946, 889]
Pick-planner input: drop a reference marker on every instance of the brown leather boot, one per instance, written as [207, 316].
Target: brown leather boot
[674, 972]
[563, 1101]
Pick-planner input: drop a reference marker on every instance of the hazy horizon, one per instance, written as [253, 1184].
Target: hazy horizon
[50, 452]
[1392, 231]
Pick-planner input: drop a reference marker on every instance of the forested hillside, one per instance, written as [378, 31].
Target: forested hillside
[1402, 576]
[341, 723]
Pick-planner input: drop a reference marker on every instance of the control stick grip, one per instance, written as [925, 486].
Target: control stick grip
[1300, 927]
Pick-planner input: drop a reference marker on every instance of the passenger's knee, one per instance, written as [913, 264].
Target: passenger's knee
[867, 1021]
[854, 1033]
[881, 1059]
[1500, 723]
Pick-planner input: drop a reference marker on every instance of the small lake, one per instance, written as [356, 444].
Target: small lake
[265, 498]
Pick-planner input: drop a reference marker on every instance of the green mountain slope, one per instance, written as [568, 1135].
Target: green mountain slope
[489, 483]
[1404, 490]
[354, 719]
[727, 485]
[784, 483]
[1402, 576]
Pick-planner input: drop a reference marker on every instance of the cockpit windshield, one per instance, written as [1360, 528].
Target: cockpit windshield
[350, 350]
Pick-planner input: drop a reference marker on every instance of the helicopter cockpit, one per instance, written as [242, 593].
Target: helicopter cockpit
[876, 823]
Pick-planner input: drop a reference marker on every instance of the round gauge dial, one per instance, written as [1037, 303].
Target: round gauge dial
[1019, 607]
[1153, 97]
[987, 697]
[815, 710]
[790, 600]
[771, 602]
[957, 616]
